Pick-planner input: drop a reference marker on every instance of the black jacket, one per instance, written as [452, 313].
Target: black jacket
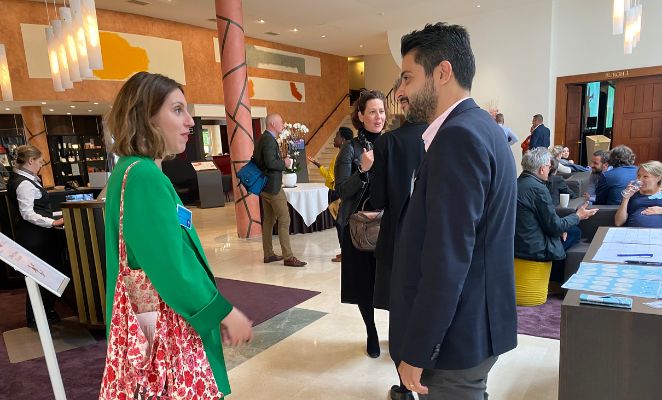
[351, 185]
[538, 228]
[397, 156]
[267, 158]
[557, 185]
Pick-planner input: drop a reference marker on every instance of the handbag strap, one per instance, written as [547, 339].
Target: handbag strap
[123, 261]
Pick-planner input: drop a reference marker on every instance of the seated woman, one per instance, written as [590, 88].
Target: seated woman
[538, 229]
[643, 208]
[557, 151]
[565, 153]
[557, 185]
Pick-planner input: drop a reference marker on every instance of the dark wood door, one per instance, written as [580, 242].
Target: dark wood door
[573, 122]
[638, 116]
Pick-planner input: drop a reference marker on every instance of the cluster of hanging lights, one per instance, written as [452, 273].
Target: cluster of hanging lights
[73, 43]
[626, 19]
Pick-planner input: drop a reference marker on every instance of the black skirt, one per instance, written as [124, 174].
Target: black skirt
[357, 280]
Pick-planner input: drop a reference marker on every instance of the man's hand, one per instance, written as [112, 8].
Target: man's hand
[411, 378]
[288, 162]
[583, 213]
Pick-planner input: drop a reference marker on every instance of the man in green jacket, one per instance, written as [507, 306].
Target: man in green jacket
[267, 157]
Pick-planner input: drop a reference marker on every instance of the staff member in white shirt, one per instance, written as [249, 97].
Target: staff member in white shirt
[34, 219]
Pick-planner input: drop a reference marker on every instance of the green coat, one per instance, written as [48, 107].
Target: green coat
[171, 255]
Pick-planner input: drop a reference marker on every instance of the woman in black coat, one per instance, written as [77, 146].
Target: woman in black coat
[352, 172]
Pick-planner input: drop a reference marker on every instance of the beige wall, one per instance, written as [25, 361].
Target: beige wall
[203, 74]
[355, 70]
[380, 72]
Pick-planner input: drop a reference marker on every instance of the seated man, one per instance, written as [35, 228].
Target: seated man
[599, 165]
[557, 185]
[612, 183]
[538, 229]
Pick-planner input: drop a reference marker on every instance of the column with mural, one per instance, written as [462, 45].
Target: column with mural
[35, 134]
[229, 19]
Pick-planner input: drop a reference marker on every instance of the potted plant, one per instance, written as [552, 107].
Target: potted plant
[291, 142]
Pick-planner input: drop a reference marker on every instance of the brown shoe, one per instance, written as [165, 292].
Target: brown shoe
[293, 262]
[271, 259]
[337, 258]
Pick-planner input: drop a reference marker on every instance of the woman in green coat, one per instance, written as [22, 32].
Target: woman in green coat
[149, 121]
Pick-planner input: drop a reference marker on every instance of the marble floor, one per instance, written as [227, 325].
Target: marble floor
[326, 359]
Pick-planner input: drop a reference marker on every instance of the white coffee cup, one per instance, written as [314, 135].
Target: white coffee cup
[565, 199]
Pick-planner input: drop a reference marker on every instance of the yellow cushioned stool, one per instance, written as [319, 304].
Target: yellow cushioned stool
[531, 281]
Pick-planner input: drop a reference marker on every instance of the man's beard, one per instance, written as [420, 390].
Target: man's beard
[423, 104]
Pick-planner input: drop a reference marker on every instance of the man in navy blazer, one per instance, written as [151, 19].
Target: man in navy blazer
[539, 133]
[452, 291]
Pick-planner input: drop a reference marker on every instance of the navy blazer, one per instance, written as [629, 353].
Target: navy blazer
[453, 287]
[539, 137]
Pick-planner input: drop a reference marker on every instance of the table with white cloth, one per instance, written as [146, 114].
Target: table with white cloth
[308, 205]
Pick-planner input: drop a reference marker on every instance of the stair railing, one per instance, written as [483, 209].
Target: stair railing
[392, 104]
[327, 117]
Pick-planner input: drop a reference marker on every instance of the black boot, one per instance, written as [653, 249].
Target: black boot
[372, 346]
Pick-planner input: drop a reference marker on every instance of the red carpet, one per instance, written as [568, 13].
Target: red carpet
[82, 368]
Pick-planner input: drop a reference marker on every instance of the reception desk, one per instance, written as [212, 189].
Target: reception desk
[85, 231]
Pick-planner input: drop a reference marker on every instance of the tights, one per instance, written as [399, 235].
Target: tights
[368, 314]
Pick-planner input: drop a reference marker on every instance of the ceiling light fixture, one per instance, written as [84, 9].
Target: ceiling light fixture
[626, 19]
[260, 21]
[74, 48]
[294, 30]
[323, 36]
[43, 103]
[7, 109]
[68, 113]
[72, 106]
[96, 102]
[5, 79]
[51, 109]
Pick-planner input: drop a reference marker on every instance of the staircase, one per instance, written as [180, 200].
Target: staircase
[328, 152]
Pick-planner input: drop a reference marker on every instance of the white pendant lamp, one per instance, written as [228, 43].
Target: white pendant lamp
[61, 51]
[91, 27]
[53, 60]
[70, 44]
[5, 80]
[79, 34]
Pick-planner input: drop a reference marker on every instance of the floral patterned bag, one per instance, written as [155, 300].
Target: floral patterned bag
[173, 364]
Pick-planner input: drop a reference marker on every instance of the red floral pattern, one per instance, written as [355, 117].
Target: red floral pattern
[175, 367]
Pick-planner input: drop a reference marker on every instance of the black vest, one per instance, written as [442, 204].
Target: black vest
[42, 206]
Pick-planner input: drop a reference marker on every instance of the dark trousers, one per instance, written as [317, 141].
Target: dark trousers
[558, 266]
[458, 384]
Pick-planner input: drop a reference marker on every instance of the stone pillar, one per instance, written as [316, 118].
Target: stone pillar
[229, 19]
[35, 134]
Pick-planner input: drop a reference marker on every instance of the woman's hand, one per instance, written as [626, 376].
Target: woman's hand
[629, 191]
[367, 158]
[314, 161]
[652, 210]
[236, 328]
[58, 223]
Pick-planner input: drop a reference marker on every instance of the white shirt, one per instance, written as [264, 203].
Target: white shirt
[431, 132]
[26, 194]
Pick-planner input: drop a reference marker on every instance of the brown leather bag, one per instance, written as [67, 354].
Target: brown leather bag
[364, 229]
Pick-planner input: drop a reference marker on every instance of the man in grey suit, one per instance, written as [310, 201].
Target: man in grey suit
[452, 290]
[274, 203]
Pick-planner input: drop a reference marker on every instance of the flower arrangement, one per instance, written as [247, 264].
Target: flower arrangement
[291, 142]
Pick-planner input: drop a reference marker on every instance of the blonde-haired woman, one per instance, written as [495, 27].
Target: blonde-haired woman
[151, 239]
[643, 207]
[33, 219]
